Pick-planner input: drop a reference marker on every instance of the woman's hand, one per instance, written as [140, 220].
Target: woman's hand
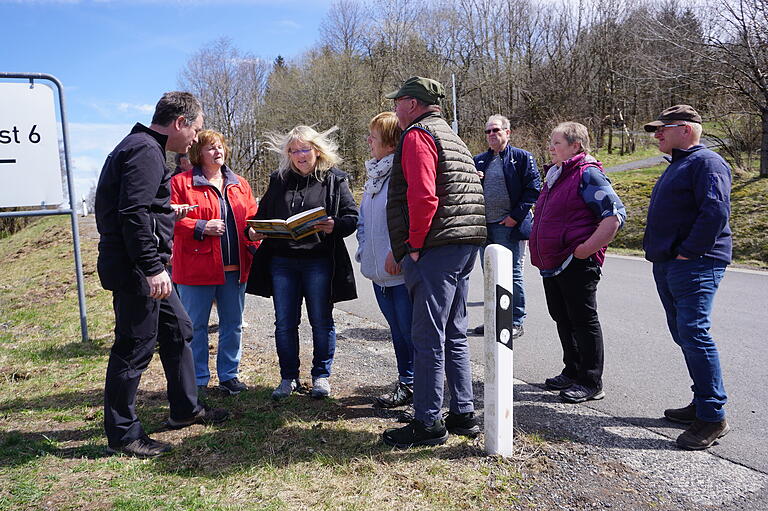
[582, 252]
[214, 227]
[326, 225]
[255, 236]
[390, 266]
[181, 210]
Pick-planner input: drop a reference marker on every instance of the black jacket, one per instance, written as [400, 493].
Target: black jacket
[521, 175]
[133, 212]
[340, 205]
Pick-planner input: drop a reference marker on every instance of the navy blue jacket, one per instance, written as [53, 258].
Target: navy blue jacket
[133, 212]
[689, 209]
[523, 181]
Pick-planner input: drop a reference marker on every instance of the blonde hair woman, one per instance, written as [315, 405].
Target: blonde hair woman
[316, 269]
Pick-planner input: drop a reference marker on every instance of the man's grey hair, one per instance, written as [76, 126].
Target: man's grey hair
[174, 105]
[428, 106]
[696, 128]
[500, 119]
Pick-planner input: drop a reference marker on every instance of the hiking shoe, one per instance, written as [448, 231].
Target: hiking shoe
[321, 387]
[416, 433]
[233, 386]
[517, 331]
[464, 424]
[685, 415]
[579, 393]
[284, 389]
[559, 382]
[142, 447]
[401, 396]
[406, 415]
[205, 416]
[479, 330]
[701, 434]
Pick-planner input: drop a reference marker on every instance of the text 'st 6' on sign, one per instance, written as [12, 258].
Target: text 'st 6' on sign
[30, 168]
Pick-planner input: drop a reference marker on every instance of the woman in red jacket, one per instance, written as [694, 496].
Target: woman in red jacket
[211, 256]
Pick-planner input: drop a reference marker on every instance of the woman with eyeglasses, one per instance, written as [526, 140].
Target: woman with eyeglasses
[316, 268]
[211, 256]
[577, 214]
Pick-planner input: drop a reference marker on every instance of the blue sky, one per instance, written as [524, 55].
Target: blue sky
[115, 58]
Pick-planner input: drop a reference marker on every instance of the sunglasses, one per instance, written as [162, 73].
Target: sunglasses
[493, 130]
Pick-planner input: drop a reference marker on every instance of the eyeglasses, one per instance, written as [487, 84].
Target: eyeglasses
[397, 100]
[297, 152]
[665, 126]
[493, 130]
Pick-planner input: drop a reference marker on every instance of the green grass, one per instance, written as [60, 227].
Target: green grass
[299, 454]
[749, 218]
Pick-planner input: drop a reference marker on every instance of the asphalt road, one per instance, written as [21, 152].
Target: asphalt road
[644, 369]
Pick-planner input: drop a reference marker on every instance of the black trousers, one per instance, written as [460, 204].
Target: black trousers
[572, 303]
[141, 323]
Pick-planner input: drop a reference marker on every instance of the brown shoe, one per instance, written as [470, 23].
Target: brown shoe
[684, 415]
[701, 434]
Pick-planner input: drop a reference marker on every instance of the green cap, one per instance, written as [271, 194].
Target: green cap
[428, 90]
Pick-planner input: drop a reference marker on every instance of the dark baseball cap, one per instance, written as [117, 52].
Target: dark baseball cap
[674, 113]
[428, 90]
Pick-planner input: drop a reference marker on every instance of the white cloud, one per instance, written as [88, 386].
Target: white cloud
[89, 145]
[289, 24]
[130, 107]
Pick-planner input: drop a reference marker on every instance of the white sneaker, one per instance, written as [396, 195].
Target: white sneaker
[321, 387]
[284, 389]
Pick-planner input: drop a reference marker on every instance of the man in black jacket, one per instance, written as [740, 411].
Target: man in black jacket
[135, 222]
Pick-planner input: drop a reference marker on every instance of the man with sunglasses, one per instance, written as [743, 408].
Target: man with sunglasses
[688, 240]
[511, 185]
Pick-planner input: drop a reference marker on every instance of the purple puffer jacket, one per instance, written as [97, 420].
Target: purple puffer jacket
[562, 220]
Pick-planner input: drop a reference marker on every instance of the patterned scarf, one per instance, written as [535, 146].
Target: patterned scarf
[378, 173]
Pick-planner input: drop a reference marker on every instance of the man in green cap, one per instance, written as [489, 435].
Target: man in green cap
[436, 219]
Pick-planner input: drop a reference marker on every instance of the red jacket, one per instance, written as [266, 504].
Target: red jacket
[199, 262]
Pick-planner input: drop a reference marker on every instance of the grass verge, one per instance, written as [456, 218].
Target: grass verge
[300, 454]
[749, 219]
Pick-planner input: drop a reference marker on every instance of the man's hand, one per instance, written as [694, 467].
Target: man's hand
[326, 225]
[509, 222]
[390, 266]
[214, 227]
[681, 258]
[159, 285]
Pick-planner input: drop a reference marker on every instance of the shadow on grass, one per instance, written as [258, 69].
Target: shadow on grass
[260, 432]
[72, 350]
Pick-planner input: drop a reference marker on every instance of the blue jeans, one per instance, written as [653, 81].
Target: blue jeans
[230, 300]
[294, 279]
[687, 289]
[438, 284]
[396, 306]
[501, 235]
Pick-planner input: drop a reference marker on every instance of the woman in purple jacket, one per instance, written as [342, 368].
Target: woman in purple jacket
[576, 216]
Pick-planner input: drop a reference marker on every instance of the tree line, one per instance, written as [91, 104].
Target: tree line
[611, 64]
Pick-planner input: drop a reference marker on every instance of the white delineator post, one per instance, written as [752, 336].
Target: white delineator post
[498, 350]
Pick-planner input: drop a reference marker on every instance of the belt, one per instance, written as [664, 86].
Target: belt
[232, 267]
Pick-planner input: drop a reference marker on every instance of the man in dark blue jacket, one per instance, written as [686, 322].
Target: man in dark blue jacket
[688, 240]
[511, 185]
[135, 222]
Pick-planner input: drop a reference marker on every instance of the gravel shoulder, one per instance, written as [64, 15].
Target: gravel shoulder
[579, 458]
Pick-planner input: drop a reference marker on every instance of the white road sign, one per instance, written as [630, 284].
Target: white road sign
[30, 168]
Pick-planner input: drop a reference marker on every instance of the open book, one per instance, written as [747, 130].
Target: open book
[294, 227]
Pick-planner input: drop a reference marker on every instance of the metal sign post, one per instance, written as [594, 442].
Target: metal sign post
[497, 274]
[29, 151]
